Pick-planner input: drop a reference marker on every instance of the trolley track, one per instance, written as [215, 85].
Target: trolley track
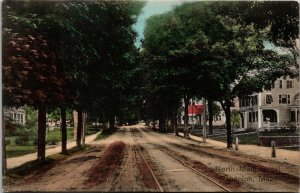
[137, 146]
[171, 154]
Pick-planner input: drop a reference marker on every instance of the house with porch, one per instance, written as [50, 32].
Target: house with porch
[17, 115]
[271, 109]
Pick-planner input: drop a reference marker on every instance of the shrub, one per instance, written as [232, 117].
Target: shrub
[7, 142]
[22, 140]
[251, 129]
[10, 127]
[53, 140]
[35, 141]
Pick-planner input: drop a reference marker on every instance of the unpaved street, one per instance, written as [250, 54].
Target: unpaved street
[137, 159]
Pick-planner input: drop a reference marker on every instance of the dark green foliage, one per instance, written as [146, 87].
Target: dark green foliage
[23, 140]
[7, 141]
[69, 54]
[201, 50]
[53, 140]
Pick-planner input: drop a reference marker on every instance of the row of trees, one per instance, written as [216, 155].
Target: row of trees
[69, 55]
[215, 50]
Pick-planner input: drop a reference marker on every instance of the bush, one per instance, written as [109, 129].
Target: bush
[7, 142]
[23, 140]
[35, 141]
[251, 129]
[10, 127]
[53, 140]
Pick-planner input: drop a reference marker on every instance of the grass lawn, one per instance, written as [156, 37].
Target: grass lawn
[243, 139]
[56, 133]
[17, 150]
[253, 137]
[13, 150]
[91, 130]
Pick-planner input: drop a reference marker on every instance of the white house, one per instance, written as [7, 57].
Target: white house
[275, 108]
[16, 114]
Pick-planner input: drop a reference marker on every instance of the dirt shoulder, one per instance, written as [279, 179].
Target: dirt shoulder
[282, 155]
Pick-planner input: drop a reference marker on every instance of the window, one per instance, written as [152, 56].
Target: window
[269, 99]
[248, 101]
[21, 120]
[280, 83]
[250, 116]
[289, 84]
[293, 116]
[256, 115]
[254, 100]
[284, 99]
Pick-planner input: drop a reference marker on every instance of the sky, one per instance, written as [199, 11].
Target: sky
[152, 7]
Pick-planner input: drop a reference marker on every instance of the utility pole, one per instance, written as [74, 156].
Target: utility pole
[204, 120]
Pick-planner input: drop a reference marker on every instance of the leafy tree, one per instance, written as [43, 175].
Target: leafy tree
[281, 17]
[31, 74]
[218, 51]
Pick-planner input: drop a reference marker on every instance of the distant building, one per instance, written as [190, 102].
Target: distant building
[275, 108]
[195, 111]
[18, 115]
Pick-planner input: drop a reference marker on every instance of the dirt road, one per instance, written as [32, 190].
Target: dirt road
[138, 159]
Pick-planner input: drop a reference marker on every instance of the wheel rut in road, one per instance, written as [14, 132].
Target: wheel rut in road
[104, 168]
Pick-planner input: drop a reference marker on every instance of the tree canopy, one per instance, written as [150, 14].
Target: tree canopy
[210, 54]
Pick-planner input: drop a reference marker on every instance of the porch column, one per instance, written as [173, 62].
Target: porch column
[259, 112]
[277, 113]
[259, 118]
[245, 120]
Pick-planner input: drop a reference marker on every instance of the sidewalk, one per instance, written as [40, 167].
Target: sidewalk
[17, 161]
[282, 155]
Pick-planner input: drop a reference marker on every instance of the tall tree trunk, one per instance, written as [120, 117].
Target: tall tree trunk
[210, 116]
[186, 117]
[111, 123]
[75, 121]
[41, 132]
[172, 122]
[79, 128]
[4, 162]
[162, 123]
[175, 123]
[84, 119]
[228, 123]
[63, 130]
